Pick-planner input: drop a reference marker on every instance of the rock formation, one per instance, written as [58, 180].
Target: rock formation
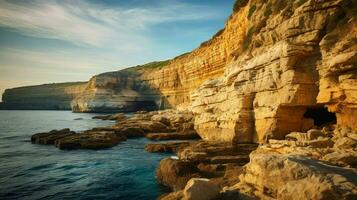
[276, 67]
[281, 73]
[297, 57]
[56, 96]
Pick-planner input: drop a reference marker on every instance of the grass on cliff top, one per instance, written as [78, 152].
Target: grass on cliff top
[150, 65]
[239, 4]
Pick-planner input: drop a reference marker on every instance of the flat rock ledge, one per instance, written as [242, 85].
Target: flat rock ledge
[167, 147]
[67, 140]
[317, 164]
[157, 125]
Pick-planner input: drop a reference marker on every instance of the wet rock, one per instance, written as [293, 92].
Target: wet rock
[130, 132]
[172, 136]
[89, 140]
[175, 173]
[200, 189]
[50, 137]
[117, 117]
[169, 147]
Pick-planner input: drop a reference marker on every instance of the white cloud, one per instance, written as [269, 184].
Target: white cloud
[86, 23]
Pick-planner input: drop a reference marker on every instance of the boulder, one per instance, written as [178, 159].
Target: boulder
[172, 196]
[200, 189]
[270, 175]
[89, 140]
[175, 173]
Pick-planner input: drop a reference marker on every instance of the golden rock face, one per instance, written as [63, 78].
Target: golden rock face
[304, 56]
[256, 78]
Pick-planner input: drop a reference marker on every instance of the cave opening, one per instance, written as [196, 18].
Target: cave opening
[320, 115]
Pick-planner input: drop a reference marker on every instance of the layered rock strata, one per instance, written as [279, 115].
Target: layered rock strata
[296, 56]
[323, 166]
[56, 96]
[121, 91]
[317, 164]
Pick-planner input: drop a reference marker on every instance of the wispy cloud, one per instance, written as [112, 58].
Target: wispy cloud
[86, 23]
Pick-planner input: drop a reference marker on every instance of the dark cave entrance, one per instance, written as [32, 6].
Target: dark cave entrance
[320, 115]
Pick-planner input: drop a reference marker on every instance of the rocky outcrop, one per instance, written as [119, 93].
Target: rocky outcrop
[279, 176]
[176, 173]
[297, 57]
[66, 139]
[56, 96]
[90, 140]
[321, 164]
[200, 189]
[120, 91]
[50, 137]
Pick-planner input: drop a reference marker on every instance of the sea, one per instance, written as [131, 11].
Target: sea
[31, 171]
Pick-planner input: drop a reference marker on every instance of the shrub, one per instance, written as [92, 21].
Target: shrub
[268, 10]
[239, 4]
[248, 38]
[251, 11]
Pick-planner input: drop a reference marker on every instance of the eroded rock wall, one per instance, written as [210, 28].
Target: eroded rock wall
[57, 96]
[168, 84]
[121, 91]
[286, 65]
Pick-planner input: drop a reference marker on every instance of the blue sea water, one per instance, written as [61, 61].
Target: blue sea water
[29, 171]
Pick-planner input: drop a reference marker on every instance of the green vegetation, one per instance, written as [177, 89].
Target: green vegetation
[150, 65]
[268, 10]
[208, 42]
[182, 55]
[248, 38]
[239, 4]
[251, 11]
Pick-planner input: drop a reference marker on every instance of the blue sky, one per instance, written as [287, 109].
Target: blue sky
[47, 41]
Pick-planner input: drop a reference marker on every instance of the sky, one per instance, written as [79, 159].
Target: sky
[50, 41]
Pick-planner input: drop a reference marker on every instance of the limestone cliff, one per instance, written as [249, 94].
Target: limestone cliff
[276, 67]
[297, 56]
[56, 96]
[120, 91]
[170, 82]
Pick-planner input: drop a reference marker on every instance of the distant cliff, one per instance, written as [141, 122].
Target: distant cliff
[119, 91]
[56, 96]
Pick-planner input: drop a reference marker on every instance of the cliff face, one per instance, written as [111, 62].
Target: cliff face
[170, 82]
[57, 96]
[120, 91]
[187, 72]
[296, 58]
[276, 67]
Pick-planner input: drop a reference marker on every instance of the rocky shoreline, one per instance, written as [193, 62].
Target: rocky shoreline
[321, 162]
